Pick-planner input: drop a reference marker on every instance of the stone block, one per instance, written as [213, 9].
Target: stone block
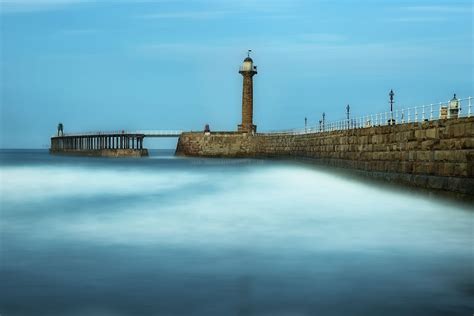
[412, 145]
[429, 144]
[445, 144]
[420, 134]
[442, 155]
[460, 169]
[470, 164]
[424, 155]
[469, 129]
[409, 135]
[458, 130]
[446, 169]
[432, 133]
[437, 182]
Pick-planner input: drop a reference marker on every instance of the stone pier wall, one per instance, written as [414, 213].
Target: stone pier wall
[435, 155]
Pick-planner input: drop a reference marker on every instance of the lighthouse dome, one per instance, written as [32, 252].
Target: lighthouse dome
[247, 65]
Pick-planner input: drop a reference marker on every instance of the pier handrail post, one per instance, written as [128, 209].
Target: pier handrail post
[469, 107]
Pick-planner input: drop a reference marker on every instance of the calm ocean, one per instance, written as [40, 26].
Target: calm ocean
[181, 236]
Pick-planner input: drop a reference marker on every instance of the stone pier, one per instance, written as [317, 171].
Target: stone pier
[435, 155]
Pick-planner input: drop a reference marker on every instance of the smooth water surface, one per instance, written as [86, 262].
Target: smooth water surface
[181, 236]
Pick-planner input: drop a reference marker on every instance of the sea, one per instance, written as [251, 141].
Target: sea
[167, 235]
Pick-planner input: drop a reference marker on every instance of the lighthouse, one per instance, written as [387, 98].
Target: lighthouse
[247, 70]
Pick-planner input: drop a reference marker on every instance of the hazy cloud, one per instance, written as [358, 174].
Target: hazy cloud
[256, 5]
[77, 31]
[336, 53]
[429, 13]
[321, 37]
[419, 19]
[187, 15]
[19, 6]
[12, 6]
[439, 9]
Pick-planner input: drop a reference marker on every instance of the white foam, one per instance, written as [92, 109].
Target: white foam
[277, 207]
[39, 183]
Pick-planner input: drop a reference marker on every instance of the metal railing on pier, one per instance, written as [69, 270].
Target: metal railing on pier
[160, 133]
[146, 133]
[455, 108]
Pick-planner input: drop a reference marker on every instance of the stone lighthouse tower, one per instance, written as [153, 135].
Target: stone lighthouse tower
[247, 70]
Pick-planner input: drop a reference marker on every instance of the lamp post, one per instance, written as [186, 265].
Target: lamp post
[324, 121]
[320, 122]
[305, 124]
[348, 108]
[391, 120]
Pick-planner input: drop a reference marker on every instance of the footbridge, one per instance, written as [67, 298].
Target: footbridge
[161, 133]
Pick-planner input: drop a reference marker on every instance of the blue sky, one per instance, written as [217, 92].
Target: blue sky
[112, 65]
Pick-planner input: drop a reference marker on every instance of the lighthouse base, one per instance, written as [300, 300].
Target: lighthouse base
[247, 128]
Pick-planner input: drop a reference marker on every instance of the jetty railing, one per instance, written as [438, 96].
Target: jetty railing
[149, 133]
[415, 114]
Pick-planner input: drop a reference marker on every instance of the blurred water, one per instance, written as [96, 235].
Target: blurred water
[180, 236]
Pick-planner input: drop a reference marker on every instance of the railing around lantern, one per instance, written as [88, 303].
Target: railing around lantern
[423, 113]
